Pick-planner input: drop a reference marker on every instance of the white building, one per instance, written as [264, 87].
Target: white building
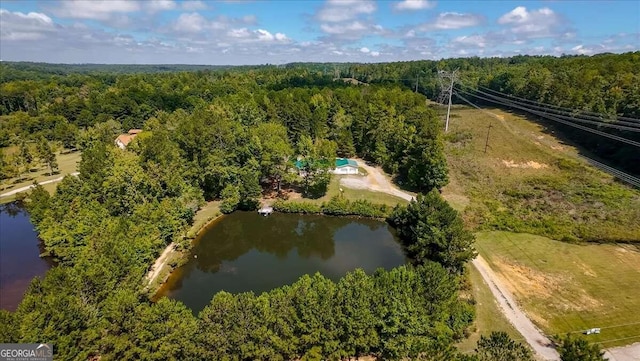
[345, 166]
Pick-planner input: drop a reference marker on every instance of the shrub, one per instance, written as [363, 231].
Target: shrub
[336, 206]
[296, 207]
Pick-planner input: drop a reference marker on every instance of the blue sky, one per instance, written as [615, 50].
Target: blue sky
[259, 32]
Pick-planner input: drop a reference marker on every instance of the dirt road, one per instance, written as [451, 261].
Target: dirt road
[377, 181]
[541, 345]
[624, 353]
[374, 181]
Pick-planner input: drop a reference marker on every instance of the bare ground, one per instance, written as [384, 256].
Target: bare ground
[376, 181]
[154, 272]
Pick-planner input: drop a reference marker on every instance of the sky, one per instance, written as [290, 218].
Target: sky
[236, 32]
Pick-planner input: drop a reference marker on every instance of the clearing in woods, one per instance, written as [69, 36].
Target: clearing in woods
[529, 181]
[566, 287]
[67, 164]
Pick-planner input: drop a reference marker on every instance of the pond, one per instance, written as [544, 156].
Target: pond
[248, 252]
[20, 251]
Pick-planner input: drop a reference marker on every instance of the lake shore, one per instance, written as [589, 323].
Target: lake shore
[171, 257]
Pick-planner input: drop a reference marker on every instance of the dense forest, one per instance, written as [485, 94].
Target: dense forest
[232, 134]
[604, 86]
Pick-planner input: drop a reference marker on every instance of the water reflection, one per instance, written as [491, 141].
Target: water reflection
[20, 251]
[248, 252]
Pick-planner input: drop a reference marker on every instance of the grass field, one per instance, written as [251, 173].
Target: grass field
[67, 163]
[354, 194]
[204, 215]
[488, 315]
[569, 287]
[528, 181]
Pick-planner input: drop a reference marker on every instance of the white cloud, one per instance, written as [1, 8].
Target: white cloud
[345, 10]
[580, 49]
[190, 23]
[539, 23]
[472, 40]
[452, 21]
[375, 53]
[160, 5]
[20, 26]
[194, 5]
[414, 5]
[364, 50]
[95, 9]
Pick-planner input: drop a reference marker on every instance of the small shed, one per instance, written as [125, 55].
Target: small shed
[346, 166]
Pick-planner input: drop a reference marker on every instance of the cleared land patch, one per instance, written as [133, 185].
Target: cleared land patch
[67, 164]
[570, 287]
[529, 181]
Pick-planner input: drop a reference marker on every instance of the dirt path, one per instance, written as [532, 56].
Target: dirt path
[154, 272]
[376, 181]
[541, 345]
[22, 189]
[624, 353]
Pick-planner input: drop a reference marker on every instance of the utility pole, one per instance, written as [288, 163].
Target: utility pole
[486, 143]
[442, 76]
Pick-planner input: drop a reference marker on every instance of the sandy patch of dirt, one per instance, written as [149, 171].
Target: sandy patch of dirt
[529, 164]
[557, 147]
[355, 183]
[629, 255]
[551, 289]
[526, 281]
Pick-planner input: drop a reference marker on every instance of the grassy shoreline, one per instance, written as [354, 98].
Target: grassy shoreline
[205, 217]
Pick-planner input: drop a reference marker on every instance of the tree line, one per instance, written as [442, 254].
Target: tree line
[230, 135]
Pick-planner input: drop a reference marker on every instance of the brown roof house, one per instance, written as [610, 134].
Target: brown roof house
[124, 139]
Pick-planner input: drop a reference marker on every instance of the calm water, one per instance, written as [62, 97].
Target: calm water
[248, 252]
[19, 255]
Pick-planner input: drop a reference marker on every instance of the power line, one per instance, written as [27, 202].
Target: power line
[547, 116]
[589, 113]
[565, 111]
[627, 178]
[634, 128]
[442, 76]
[618, 339]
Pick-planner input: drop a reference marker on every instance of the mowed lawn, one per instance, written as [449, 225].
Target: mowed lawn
[67, 164]
[567, 287]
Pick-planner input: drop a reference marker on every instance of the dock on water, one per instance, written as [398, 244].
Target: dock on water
[265, 211]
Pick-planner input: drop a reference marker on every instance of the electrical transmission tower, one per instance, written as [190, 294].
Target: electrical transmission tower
[446, 79]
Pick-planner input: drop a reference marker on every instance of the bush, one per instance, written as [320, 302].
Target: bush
[337, 206]
[296, 207]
